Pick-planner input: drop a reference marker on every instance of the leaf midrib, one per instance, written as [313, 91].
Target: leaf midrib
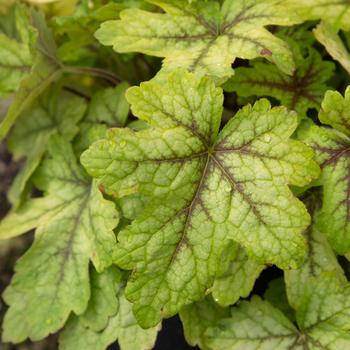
[189, 210]
[212, 32]
[67, 251]
[194, 200]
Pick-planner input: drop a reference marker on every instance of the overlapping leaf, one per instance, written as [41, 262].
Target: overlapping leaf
[103, 303]
[74, 225]
[199, 316]
[206, 188]
[335, 12]
[204, 37]
[322, 320]
[332, 147]
[330, 39]
[78, 28]
[300, 91]
[320, 259]
[45, 69]
[120, 325]
[238, 281]
[319, 293]
[15, 52]
[53, 113]
[109, 106]
[253, 325]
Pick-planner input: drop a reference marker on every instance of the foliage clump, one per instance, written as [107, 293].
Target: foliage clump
[178, 157]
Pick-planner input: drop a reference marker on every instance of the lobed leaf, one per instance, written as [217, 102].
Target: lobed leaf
[330, 39]
[45, 69]
[15, 53]
[324, 313]
[320, 260]
[206, 188]
[300, 91]
[109, 106]
[52, 279]
[103, 303]
[322, 320]
[335, 12]
[332, 153]
[54, 112]
[253, 325]
[199, 316]
[204, 37]
[122, 326]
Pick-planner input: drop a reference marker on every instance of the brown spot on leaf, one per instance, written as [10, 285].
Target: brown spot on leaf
[265, 52]
[102, 188]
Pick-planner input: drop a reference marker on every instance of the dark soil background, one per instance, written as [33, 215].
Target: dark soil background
[170, 337]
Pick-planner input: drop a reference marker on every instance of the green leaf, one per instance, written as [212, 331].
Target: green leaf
[54, 112]
[203, 37]
[206, 188]
[324, 314]
[78, 28]
[88, 134]
[336, 111]
[332, 153]
[238, 281]
[322, 320]
[335, 12]
[15, 54]
[253, 325]
[320, 259]
[329, 38]
[130, 335]
[300, 91]
[45, 69]
[103, 303]
[121, 326]
[199, 316]
[109, 106]
[76, 31]
[52, 278]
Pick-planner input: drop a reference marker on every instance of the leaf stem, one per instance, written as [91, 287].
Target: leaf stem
[97, 72]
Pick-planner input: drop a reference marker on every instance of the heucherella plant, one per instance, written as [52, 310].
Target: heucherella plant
[204, 189]
[186, 159]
